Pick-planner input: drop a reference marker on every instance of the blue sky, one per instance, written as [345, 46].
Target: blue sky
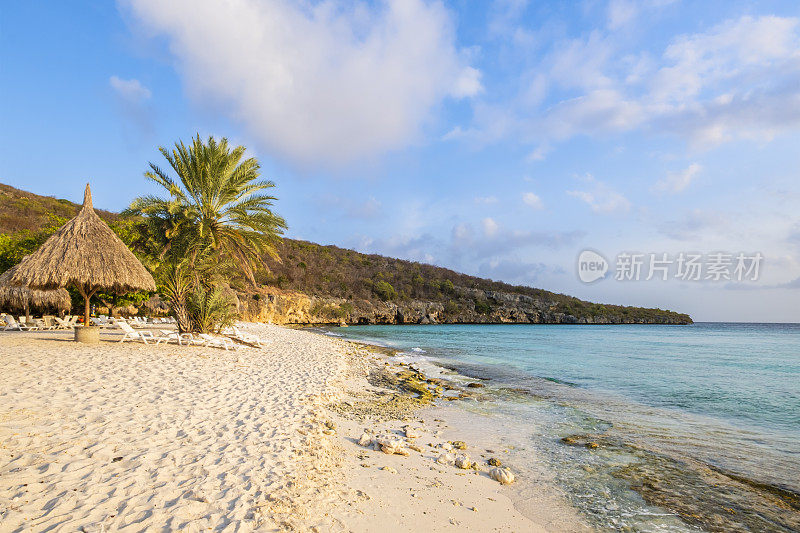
[496, 138]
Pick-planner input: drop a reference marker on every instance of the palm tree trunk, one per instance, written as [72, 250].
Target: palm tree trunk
[181, 315]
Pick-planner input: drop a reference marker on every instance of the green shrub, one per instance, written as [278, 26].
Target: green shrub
[482, 307]
[447, 287]
[13, 247]
[384, 290]
[210, 310]
[331, 312]
[451, 308]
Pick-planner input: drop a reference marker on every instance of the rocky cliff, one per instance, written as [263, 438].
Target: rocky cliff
[288, 307]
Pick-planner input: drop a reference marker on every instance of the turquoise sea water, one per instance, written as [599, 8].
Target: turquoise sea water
[699, 409]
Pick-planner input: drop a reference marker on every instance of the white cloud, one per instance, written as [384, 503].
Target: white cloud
[132, 102]
[601, 198]
[737, 80]
[468, 83]
[317, 83]
[492, 123]
[582, 63]
[539, 153]
[496, 240]
[598, 112]
[532, 200]
[468, 244]
[675, 182]
[486, 200]
[514, 270]
[504, 16]
[130, 90]
[695, 224]
[490, 227]
[621, 12]
[696, 63]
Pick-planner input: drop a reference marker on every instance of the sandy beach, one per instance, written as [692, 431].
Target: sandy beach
[140, 437]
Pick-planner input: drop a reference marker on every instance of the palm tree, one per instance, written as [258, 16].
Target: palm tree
[215, 204]
[216, 215]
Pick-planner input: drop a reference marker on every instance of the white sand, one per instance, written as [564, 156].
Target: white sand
[159, 438]
[204, 440]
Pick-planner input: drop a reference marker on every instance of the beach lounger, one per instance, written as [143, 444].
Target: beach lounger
[247, 338]
[42, 324]
[215, 342]
[20, 325]
[28, 326]
[167, 336]
[101, 321]
[11, 324]
[133, 335]
[62, 323]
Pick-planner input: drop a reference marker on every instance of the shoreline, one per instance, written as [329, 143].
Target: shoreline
[142, 436]
[606, 453]
[416, 490]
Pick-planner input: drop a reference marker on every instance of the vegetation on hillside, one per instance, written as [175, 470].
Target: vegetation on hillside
[330, 271]
[312, 269]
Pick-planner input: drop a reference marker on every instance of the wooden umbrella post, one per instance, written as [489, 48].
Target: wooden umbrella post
[87, 334]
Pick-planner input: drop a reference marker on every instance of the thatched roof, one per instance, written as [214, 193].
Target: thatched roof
[85, 252]
[23, 297]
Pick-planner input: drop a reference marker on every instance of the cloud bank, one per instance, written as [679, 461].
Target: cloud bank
[316, 83]
[739, 79]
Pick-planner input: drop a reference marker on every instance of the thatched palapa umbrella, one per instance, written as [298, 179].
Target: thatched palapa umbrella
[86, 254]
[24, 298]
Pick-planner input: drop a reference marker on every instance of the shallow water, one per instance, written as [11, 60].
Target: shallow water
[671, 427]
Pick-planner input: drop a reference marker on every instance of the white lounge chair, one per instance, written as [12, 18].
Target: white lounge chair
[62, 323]
[247, 338]
[167, 336]
[101, 321]
[27, 326]
[23, 325]
[133, 335]
[42, 324]
[11, 324]
[216, 342]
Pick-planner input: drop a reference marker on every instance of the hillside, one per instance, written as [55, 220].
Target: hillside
[328, 284]
[25, 211]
